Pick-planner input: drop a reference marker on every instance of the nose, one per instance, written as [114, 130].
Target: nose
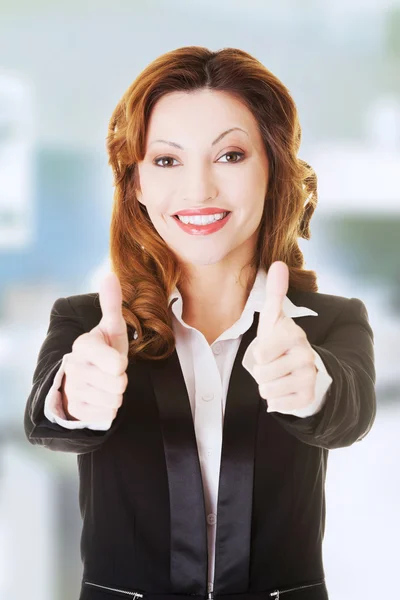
[199, 184]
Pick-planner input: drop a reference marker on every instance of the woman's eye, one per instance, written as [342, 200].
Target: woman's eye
[233, 153]
[163, 158]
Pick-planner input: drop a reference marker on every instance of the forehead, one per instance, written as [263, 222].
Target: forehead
[203, 111]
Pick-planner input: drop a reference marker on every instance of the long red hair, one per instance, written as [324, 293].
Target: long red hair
[148, 275]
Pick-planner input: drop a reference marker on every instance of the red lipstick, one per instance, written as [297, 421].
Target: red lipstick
[201, 211]
[203, 229]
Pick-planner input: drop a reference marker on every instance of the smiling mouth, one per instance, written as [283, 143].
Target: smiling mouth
[224, 213]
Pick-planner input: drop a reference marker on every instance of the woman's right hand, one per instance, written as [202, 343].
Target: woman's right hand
[95, 376]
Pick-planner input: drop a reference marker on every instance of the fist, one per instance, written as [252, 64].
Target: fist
[285, 362]
[95, 372]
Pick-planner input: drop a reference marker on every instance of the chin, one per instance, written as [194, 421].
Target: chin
[199, 258]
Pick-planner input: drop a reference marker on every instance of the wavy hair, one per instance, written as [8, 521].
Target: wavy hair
[146, 267]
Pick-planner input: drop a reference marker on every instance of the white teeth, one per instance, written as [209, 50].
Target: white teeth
[202, 219]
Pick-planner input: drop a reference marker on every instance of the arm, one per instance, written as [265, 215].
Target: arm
[349, 410]
[65, 326]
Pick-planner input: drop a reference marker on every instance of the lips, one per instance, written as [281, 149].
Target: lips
[202, 230]
[201, 211]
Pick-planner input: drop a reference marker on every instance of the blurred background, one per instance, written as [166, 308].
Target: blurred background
[63, 68]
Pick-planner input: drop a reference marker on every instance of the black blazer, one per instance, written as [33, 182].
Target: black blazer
[141, 495]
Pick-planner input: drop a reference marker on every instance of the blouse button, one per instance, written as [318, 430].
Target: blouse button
[211, 519]
[208, 397]
[217, 348]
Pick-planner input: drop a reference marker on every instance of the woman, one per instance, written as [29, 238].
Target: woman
[203, 387]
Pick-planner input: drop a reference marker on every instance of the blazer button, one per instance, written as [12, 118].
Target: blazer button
[208, 397]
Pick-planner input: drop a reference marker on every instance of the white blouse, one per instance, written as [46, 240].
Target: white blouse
[206, 369]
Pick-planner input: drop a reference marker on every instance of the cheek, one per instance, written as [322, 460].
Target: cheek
[251, 208]
[247, 189]
[156, 201]
[151, 187]
[159, 213]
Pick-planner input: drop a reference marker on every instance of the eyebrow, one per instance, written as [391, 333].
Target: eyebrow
[213, 144]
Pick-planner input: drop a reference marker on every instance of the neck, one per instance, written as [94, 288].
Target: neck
[214, 297]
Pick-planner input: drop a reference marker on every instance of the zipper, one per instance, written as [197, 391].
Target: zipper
[134, 595]
[277, 593]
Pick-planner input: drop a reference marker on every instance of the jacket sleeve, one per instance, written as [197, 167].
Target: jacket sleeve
[349, 409]
[65, 326]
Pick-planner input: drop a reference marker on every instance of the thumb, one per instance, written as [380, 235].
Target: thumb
[112, 324]
[276, 290]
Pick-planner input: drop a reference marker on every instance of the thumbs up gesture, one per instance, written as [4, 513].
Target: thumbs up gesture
[95, 377]
[285, 362]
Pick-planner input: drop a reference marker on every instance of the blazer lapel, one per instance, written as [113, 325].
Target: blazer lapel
[235, 492]
[188, 516]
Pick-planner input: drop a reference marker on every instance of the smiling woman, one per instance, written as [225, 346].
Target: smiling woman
[208, 188]
[202, 468]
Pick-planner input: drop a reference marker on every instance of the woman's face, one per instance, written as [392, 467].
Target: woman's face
[202, 162]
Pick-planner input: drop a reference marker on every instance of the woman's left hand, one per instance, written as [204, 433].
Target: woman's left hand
[285, 362]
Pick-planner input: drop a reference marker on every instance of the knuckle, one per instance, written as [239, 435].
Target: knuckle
[117, 385]
[79, 342]
[264, 389]
[109, 401]
[300, 336]
[113, 402]
[118, 402]
[124, 362]
[123, 381]
[119, 365]
[311, 357]
[309, 372]
[309, 368]
[258, 372]
[71, 368]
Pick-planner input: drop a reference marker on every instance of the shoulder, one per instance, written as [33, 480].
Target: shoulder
[334, 308]
[89, 300]
[87, 308]
[317, 300]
